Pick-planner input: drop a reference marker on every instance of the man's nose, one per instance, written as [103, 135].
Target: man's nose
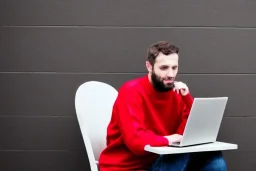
[170, 73]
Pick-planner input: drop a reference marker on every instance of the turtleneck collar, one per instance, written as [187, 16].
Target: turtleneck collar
[154, 93]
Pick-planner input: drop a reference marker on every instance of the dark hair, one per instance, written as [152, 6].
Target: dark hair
[161, 46]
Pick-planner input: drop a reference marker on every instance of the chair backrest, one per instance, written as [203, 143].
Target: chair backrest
[93, 102]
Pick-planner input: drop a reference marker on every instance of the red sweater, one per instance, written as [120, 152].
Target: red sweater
[141, 116]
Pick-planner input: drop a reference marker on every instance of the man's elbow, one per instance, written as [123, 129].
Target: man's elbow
[137, 149]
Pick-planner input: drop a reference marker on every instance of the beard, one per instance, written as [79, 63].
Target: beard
[158, 83]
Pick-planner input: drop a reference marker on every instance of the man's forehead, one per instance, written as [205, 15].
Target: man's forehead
[171, 59]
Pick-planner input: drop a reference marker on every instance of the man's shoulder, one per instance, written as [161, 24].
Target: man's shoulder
[132, 84]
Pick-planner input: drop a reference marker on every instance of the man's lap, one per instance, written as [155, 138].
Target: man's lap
[208, 161]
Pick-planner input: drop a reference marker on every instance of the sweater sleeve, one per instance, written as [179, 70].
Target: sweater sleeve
[131, 119]
[187, 102]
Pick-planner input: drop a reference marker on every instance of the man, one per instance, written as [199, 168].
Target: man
[153, 110]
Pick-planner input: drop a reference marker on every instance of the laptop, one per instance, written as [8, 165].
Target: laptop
[204, 121]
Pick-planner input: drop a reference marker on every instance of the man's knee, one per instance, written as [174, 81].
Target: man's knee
[218, 163]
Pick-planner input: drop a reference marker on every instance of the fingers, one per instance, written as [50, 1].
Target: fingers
[174, 138]
[180, 87]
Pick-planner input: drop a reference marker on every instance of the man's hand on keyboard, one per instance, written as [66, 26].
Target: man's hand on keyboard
[174, 138]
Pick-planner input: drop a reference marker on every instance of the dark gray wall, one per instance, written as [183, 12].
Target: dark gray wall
[48, 48]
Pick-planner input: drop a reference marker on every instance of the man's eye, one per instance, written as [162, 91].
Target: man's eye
[164, 68]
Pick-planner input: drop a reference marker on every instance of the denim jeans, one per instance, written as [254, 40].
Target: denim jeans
[199, 161]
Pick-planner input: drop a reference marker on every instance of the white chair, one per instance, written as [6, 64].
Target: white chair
[93, 103]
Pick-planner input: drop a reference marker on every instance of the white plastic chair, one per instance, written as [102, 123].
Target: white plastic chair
[93, 102]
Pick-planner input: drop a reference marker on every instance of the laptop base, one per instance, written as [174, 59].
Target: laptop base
[181, 146]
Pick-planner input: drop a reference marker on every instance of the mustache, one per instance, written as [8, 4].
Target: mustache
[168, 78]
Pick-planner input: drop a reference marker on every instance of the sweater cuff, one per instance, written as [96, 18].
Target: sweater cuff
[162, 141]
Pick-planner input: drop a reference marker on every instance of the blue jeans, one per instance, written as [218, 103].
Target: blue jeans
[199, 161]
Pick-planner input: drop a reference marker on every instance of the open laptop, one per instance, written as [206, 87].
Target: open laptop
[203, 122]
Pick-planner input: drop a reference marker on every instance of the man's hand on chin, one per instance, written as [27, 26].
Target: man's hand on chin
[181, 88]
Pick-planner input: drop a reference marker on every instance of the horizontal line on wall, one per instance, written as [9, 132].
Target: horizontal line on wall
[74, 117]
[96, 73]
[123, 27]
[35, 116]
[41, 151]
[45, 151]
[239, 117]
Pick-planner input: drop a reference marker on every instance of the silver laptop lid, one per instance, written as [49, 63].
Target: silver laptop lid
[204, 120]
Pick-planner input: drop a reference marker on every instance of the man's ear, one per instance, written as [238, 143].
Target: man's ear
[149, 67]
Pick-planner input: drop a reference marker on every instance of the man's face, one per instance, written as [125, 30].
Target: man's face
[164, 71]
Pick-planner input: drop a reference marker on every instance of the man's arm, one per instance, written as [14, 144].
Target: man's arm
[131, 118]
[187, 102]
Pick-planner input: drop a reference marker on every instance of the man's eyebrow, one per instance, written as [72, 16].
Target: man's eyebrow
[164, 66]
